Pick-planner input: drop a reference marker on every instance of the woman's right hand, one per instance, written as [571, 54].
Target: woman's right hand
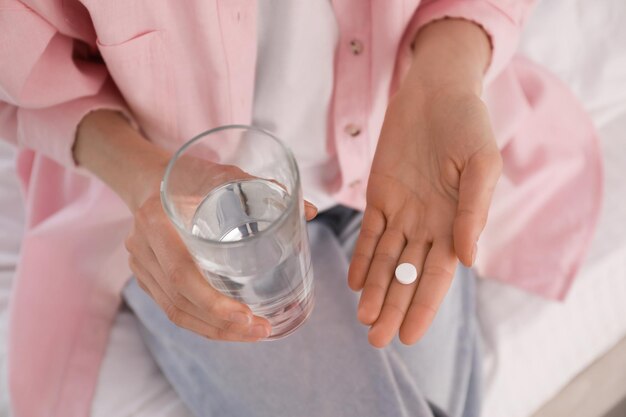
[133, 167]
[166, 271]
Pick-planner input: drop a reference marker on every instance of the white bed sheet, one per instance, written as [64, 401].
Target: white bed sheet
[533, 347]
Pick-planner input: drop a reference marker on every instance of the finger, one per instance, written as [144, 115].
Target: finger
[432, 287]
[310, 210]
[372, 228]
[398, 297]
[140, 280]
[147, 265]
[478, 180]
[181, 272]
[189, 322]
[380, 274]
[142, 258]
[145, 277]
[186, 282]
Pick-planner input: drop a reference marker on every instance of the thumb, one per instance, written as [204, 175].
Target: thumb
[310, 211]
[477, 182]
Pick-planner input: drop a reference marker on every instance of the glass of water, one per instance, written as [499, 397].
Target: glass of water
[234, 195]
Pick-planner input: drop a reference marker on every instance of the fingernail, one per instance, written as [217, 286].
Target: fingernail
[259, 331]
[306, 203]
[240, 317]
[474, 250]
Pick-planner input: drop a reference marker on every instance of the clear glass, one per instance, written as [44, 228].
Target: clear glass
[234, 195]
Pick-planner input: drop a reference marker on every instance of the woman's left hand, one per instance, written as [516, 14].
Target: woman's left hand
[429, 190]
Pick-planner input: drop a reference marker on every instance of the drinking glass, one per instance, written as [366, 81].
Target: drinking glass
[233, 193]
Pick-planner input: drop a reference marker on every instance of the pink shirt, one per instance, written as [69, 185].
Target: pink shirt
[180, 69]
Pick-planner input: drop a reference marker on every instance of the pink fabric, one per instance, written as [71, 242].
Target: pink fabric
[547, 202]
[179, 70]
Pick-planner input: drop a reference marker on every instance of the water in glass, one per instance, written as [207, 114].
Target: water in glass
[271, 272]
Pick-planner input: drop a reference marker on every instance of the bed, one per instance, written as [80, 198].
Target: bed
[541, 358]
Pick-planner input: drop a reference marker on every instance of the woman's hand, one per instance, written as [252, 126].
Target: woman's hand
[428, 194]
[157, 256]
[165, 270]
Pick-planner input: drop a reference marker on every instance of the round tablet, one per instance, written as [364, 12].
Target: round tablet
[406, 273]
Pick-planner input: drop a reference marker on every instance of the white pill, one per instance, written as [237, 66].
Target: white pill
[406, 273]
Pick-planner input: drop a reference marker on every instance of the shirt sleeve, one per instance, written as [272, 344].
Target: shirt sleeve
[502, 20]
[46, 85]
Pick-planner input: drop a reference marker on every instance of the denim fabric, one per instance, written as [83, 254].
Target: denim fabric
[325, 368]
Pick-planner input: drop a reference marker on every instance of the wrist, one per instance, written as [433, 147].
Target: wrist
[109, 147]
[449, 55]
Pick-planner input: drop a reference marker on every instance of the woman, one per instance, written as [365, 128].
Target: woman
[112, 88]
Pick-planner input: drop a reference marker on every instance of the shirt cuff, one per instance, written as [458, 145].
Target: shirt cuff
[51, 131]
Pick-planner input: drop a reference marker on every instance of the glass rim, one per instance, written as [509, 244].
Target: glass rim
[164, 181]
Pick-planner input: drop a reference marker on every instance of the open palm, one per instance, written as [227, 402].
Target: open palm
[428, 195]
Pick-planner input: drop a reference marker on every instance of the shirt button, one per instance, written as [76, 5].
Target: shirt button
[354, 183]
[356, 46]
[352, 130]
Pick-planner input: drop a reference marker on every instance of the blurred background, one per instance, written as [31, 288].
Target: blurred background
[541, 358]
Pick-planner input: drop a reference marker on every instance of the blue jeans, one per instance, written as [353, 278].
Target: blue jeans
[327, 367]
